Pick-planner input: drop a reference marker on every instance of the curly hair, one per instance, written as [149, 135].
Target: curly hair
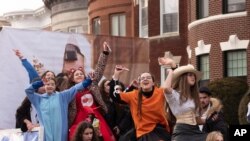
[82, 126]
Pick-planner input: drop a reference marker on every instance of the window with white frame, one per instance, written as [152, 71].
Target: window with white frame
[236, 63]
[234, 6]
[202, 9]
[143, 14]
[96, 28]
[169, 16]
[118, 25]
[204, 66]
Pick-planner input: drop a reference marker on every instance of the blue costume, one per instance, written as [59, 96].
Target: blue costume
[52, 109]
[30, 69]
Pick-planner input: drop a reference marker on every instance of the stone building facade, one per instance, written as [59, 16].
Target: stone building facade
[68, 15]
[29, 19]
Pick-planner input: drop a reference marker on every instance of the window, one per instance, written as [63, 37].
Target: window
[143, 18]
[75, 29]
[231, 6]
[72, 29]
[169, 16]
[96, 26]
[118, 25]
[236, 63]
[202, 9]
[204, 66]
[164, 74]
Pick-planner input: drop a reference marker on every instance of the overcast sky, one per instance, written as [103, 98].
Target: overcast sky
[13, 5]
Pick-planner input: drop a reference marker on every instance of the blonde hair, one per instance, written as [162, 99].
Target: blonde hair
[212, 136]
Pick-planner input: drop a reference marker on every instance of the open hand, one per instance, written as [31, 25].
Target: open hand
[163, 61]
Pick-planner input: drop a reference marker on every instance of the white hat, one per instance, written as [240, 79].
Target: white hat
[185, 69]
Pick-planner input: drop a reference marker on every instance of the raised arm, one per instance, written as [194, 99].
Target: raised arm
[29, 68]
[30, 91]
[102, 61]
[167, 85]
[115, 80]
[70, 93]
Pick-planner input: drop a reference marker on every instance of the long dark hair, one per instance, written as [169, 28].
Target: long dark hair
[187, 91]
[82, 126]
[105, 95]
[62, 82]
[139, 101]
[102, 86]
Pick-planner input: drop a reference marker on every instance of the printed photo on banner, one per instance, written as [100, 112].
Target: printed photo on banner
[55, 51]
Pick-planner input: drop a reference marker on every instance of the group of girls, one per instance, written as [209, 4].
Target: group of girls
[149, 105]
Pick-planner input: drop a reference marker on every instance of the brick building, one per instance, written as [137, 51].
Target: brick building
[214, 30]
[218, 36]
[143, 19]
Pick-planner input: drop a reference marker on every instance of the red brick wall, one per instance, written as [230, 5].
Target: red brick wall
[192, 10]
[136, 21]
[247, 35]
[214, 32]
[104, 8]
[153, 18]
[160, 43]
[215, 7]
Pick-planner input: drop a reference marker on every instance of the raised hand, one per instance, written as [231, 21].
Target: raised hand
[18, 53]
[163, 61]
[106, 47]
[120, 68]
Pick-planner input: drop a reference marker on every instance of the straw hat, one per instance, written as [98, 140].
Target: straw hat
[185, 69]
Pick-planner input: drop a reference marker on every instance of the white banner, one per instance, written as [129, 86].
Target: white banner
[37, 134]
[48, 47]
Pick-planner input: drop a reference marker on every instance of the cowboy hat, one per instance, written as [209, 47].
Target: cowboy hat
[185, 69]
